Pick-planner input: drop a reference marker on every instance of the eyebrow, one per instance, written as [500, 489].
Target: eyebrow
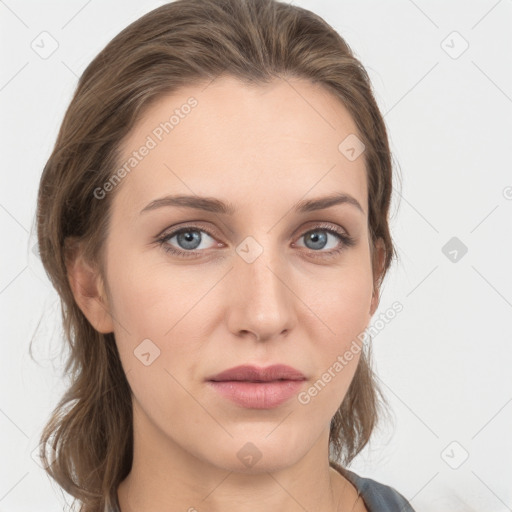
[211, 204]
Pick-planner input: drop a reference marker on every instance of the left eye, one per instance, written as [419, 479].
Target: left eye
[318, 237]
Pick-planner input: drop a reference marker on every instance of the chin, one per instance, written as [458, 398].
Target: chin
[259, 453]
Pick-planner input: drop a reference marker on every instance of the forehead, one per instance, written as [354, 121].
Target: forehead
[282, 140]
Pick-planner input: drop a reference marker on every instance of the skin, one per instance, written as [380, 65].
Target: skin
[263, 149]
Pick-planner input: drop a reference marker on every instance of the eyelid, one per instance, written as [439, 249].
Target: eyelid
[212, 232]
[345, 240]
[321, 224]
[186, 225]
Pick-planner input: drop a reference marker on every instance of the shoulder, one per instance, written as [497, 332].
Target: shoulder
[378, 497]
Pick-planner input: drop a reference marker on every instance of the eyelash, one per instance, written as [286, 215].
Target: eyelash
[347, 241]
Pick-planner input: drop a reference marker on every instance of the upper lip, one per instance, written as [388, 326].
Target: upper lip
[256, 374]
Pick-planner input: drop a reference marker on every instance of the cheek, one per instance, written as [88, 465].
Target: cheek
[336, 352]
[146, 297]
[343, 307]
[154, 340]
[342, 303]
[325, 393]
[156, 326]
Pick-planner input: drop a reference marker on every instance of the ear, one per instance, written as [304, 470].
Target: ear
[378, 260]
[88, 289]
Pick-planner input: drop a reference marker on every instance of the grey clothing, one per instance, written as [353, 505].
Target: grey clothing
[376, 496]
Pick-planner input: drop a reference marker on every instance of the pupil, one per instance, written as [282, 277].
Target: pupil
[316, 238]
[189, 239]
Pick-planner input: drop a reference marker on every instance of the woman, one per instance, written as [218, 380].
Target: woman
[214, 216]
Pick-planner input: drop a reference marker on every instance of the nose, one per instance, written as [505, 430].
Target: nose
[261, 300]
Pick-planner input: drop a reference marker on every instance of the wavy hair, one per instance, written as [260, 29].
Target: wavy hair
[180, 43]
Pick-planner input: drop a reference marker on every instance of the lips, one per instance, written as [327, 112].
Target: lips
[254, 374]
[258, 388]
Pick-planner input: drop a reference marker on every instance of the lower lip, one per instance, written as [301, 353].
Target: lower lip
[258, 395]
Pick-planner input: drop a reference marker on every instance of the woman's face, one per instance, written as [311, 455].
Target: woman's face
[257, 282]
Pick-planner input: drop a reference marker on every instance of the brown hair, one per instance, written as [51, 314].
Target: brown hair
[177, 44]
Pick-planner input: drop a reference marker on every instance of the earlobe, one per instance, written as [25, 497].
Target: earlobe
[89, 292]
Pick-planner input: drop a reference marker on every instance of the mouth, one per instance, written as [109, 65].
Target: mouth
[258, 388]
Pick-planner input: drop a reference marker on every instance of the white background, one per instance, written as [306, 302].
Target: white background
[444, 361]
